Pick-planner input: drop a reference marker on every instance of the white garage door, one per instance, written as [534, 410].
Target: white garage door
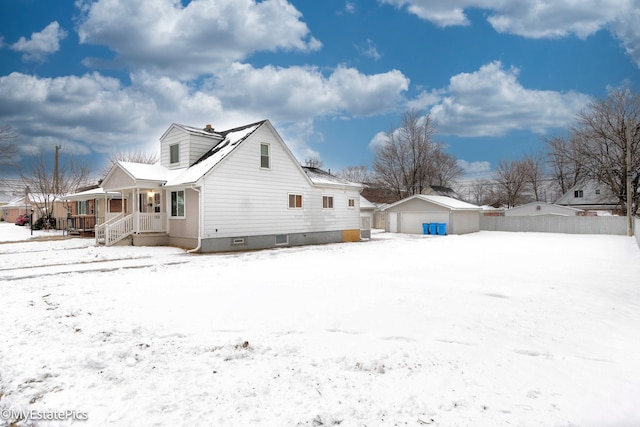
[412, 221]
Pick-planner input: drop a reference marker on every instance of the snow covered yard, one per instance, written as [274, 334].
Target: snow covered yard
[490, 329]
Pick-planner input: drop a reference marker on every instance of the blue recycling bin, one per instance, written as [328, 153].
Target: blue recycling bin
[425, 228]
[442, 229]
[433, 228]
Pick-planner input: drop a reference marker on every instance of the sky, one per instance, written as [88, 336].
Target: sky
[101, 77]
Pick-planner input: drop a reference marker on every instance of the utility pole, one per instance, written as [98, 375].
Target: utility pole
[56, 183]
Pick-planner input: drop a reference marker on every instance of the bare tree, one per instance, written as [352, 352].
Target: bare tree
[313, 162]
[511, 180]
[481, 191]
[565, 167]
[8, 148]
[356, 174]
[46, 186]
[535, 177]
[446, 169]
[133, 157]
[606, 142]
[410, 160]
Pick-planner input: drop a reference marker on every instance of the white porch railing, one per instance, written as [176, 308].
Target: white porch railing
[116, 229]
[101, 229]
[151, 222]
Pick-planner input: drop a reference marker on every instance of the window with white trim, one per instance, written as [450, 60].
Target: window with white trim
[295, 201]
[82, 207]
[327, 202]
[578, 193]
[174, 153]
[177, 204]
[352, 203]
[265, 158]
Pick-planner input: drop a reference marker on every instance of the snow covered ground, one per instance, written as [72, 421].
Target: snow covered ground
[486, 329]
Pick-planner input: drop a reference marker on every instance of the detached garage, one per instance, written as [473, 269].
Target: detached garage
[408, 215]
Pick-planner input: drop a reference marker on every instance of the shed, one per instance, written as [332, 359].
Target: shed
[542, 208]
[408, 215]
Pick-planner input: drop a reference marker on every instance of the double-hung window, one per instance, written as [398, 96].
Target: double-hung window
[174, 153]
[265, 156]
[177, 203]
[295, 201]
[327, 202]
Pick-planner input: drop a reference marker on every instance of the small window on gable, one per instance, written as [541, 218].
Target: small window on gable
[174, 153]
[295, 201]
[598, 191]
[578, 193]
[327, 202]
[352, 203]
[265, 160]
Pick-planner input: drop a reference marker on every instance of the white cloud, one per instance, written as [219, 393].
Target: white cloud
[40, 44]
[94, 113]
[163, 35]
[539, 18]
[297, 93]
[491, 102]
[370, 50]
[475, 168]
[350, 7]
[378, 140]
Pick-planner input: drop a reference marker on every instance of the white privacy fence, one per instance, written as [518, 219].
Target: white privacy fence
[636, 228]
[616, 225]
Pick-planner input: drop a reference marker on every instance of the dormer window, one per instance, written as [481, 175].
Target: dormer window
[174, 153]
[265, 158]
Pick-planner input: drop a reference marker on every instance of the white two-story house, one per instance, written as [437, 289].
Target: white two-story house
[237, 189]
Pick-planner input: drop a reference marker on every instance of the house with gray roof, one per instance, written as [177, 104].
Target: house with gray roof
[230, 190]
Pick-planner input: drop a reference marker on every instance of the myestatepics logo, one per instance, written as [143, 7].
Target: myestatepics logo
[14, 414]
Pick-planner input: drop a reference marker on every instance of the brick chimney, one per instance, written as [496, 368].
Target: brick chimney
[209, 129]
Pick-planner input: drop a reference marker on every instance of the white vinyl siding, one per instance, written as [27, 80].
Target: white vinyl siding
[192, 147]
[240, 201]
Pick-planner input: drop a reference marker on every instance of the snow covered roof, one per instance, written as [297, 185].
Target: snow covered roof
[91, 194]
[146, 172]
[232, 138]
[208, 131]
[365, 204]
[444, 201]
[320, 177]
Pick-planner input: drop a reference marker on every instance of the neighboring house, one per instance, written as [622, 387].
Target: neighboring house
[542, 208]
[90, 207]
[230, 190]
[23, 204]
[591, 196]
[16, 207]
[367, 215]
[408, 215]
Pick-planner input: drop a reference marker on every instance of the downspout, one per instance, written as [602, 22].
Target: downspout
[200, 221]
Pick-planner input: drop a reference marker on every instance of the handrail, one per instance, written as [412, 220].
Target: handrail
[101, 229]
[118, 230]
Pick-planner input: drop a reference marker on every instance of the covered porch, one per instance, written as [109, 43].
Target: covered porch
[143, 213]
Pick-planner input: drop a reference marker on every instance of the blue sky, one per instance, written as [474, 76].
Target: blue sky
[106, 76]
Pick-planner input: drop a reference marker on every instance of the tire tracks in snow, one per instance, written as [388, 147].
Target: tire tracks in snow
[93, 266]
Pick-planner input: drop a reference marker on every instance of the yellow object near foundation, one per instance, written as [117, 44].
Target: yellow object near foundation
[350, 235]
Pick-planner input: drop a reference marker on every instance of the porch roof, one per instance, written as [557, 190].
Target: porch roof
[92, 194]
